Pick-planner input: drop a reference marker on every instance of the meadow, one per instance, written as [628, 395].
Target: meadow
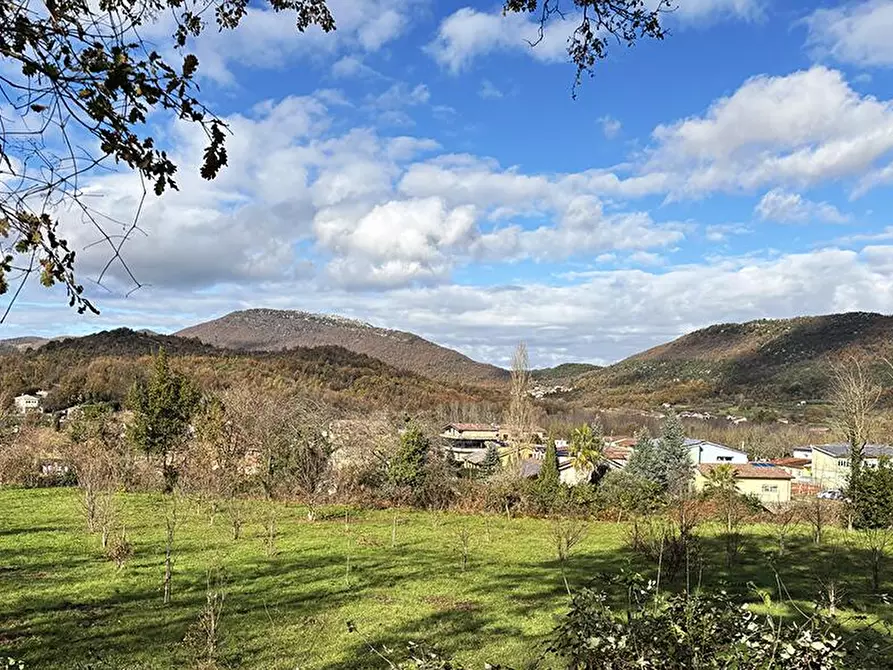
[64, 605]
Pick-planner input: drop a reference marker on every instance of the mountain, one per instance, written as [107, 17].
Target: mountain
[563, 372]
[22, 343]
[104, 366]
[277, 330]
[768, 360]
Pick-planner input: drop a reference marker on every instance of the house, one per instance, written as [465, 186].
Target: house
[799, 468]
[27, 403]
[704, 451]
[831, 462]
[765, 481]
[473, 435]
[802, 452]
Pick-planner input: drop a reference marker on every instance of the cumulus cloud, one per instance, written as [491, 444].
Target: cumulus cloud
[266, 39]
[800, 129]
[857, 33]
[469, 34]
[787, 207]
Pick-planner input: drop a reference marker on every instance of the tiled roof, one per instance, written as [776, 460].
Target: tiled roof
[748, 470]
[841, 450]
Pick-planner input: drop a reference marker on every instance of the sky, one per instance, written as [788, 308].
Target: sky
[423, 168]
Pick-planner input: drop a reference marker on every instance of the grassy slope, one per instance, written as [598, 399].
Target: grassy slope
[61, 605]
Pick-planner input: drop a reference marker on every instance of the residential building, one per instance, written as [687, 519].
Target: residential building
[27, 403]
[704, 451]
[831, 462]
[473, 433]
[802, 452]
[799, 468]
[765, 481]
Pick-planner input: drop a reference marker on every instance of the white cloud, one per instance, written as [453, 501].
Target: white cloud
[708, 11]
[856, 33]
[600, 315]
[489, 91]
[468, 34]
[800, 129]
[787, 207]
[610, 127]
[267, 39]
[353, 66]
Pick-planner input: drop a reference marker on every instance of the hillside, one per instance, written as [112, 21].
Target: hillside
[22, 343]
[764, 361]
[563, 372]
[275, 330]
[103, 366]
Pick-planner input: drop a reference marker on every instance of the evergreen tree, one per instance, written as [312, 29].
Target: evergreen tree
[162, 408]
[491, 462]
[407, 468]
[644, 462]
[874, 507]
[549, 481]
[676, 466]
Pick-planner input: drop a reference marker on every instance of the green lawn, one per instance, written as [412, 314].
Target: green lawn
[62, 605]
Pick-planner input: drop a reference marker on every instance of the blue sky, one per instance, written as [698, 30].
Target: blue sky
[427, 170]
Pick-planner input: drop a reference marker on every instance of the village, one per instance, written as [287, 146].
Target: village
[817, 470]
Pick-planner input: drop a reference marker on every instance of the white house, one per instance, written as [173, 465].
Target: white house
[802, 452]
[26, 403]
[703, 451]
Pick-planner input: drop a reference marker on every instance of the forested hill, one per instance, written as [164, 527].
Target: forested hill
[274, 330]
[769, 360]
[104, 366]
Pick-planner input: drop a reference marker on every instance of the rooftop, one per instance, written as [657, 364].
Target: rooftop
[841, 450]
[748, 470]
[471, 427]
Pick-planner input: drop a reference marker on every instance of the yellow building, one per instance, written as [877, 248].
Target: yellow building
[831, 463]
[767, 482]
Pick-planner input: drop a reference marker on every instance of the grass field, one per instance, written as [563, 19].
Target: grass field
[62, 605]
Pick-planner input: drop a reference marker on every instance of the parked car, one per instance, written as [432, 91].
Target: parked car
[831, 494]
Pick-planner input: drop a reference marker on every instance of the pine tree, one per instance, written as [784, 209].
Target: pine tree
[676, 466]
[644, 462]
[549, 480]
[162, 408]
[491, 462]
[408, 465]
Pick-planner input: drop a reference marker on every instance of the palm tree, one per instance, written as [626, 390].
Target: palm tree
[587, 447]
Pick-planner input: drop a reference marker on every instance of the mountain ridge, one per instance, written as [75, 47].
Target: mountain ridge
[276, 330]
[764, 359]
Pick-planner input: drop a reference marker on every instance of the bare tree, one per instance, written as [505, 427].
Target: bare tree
[854, 396]
[786, 516]
[463, 535]
[519, 418]
[567, 533]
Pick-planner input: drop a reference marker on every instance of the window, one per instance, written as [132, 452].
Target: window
[723, 459]
[770, 488]
[843, 462]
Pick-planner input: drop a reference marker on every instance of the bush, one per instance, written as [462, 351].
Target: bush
[681, 631]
